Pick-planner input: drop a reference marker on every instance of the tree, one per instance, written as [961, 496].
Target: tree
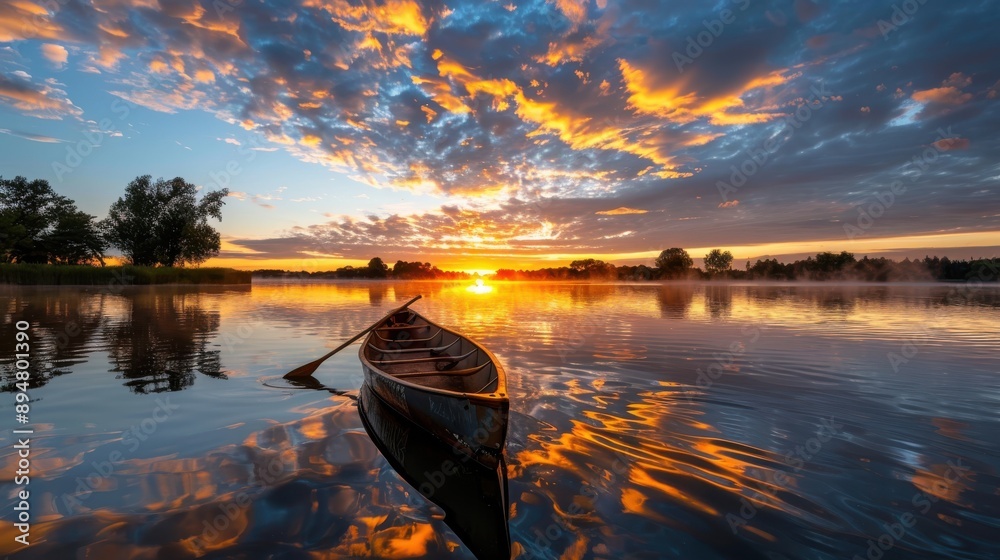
[674, 262]
[163, 223]
[37, 225]
[593, 269]
[413, 270]
[377, 268]
[75, 237]
[718, 261]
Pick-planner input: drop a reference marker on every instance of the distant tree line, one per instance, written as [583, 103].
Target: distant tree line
[375, 269]
[161, 223]
[676, 264]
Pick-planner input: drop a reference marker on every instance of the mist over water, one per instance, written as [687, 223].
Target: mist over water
[647, 421]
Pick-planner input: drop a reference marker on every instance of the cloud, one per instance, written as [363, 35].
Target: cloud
[730, 204]
[56, 54]
[41, 100]
[21, 20]
[943, 95]
[33, 137]
[621, 210]
[948, 144]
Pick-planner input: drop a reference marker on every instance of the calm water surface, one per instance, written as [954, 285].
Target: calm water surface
[647, 421]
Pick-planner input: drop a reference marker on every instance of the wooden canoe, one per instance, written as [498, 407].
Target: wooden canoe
[474, 498]
[440, 380]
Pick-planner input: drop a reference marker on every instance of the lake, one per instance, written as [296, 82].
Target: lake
[647, 421]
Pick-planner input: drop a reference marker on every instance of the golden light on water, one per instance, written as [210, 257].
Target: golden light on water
[480, 287]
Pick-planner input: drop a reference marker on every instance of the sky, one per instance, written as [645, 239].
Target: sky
[485, 135]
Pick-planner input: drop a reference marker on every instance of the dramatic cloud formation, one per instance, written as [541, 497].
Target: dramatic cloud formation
[544, 124]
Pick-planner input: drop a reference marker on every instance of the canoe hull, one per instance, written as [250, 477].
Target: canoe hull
[476, 426]
[473, 498]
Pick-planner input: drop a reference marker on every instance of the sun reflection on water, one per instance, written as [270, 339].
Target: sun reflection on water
[480, 287]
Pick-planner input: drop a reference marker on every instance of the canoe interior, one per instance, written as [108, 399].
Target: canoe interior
[423, 353]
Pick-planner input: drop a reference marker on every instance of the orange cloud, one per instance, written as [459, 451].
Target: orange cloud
[21, 19]
[676, 100]
[621, 211]
[310, 140]
[729, 204]
[204, 76]
[56, 54]
[394, 17]
[158, 66]
[958, 80]
[574, 10]
[37, 100]
[568, 51]
[944, 95]
[946, 144]
[580, 132]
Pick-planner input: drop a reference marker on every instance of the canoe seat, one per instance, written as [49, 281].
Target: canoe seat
[427, 339]
[444, 359]
[435, 350]
[466, 371]
[403, 328]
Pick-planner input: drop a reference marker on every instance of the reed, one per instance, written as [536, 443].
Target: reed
[50, 274]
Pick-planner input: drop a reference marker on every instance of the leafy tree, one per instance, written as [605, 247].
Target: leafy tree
[39, 226]
[414, 270]
[75, 238]
[593, 269]
[770, 269]
[163, 223]
[718, 261]
[674, 262]
[377, 268]
[831, 262]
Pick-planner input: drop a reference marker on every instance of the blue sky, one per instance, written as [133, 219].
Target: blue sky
[477, 135]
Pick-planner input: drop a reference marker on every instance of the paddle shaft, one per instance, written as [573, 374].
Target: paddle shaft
[310, 368]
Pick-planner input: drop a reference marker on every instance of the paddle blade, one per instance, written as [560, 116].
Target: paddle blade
[304, 370]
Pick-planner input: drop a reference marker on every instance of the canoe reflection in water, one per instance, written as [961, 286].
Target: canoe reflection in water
[473, 497]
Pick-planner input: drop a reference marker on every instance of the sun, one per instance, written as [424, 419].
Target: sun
[480, 287]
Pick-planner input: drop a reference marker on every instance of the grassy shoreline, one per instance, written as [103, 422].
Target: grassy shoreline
[84, 275]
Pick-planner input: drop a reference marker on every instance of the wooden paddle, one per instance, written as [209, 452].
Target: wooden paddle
[310, 368]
